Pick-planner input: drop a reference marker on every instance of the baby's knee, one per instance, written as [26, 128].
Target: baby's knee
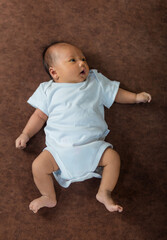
[118, 160]
[114, 156]
[36, 165]
[40, 165]
[117, 155]
[111, 157]
[44, 163]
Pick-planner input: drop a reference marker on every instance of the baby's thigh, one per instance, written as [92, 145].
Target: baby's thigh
[45, 161]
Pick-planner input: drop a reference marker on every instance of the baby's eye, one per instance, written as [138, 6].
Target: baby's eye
[84, 59]
[72, 60]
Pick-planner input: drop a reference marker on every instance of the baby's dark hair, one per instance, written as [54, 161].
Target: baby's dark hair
[49, 58]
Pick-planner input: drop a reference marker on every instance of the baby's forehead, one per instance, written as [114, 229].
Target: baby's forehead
[64, 49]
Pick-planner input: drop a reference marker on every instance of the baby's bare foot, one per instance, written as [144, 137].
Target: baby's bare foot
[41, 202]
[105, 198]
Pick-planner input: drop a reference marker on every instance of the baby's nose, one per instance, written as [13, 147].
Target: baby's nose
[81, 63]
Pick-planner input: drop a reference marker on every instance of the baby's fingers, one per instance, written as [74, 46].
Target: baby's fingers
[20, 144]
[17, 143]
[147, 97]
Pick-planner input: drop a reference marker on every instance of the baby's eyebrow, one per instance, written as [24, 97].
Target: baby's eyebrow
[70, 56]
[80, 57]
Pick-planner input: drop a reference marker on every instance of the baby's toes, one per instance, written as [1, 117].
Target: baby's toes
[120, 209]
[33, 208]
[115, 208]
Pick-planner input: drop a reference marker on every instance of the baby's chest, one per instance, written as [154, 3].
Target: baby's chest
[73, 101]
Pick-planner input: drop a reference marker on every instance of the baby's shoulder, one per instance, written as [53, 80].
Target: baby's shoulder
[46, 85]
[95, 74]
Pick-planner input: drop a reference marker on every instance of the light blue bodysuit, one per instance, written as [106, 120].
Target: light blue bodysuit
[76, 129]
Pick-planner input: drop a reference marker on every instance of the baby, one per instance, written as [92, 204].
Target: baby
[72, 106]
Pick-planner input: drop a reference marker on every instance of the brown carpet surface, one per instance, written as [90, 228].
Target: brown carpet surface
[126, 41]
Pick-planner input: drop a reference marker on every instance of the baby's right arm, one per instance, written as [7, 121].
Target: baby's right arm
[34, 124]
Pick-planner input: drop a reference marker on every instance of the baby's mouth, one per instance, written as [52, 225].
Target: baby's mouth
[82, 72]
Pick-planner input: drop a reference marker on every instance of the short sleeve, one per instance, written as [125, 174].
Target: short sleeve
[39, 99]
[109, 89]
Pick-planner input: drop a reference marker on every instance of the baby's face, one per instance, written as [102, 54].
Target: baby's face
[70, 65]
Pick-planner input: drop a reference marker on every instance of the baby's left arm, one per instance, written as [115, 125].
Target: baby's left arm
[124, 96]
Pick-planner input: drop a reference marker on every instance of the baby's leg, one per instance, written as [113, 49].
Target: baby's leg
[42, 168]
[111, 162]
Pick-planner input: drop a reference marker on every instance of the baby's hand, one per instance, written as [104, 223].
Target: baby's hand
[21, 141]
[143, 97]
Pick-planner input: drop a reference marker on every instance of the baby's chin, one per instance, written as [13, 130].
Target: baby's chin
[83, 77]
[80, 79]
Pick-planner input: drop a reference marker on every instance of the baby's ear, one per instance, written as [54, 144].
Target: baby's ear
[53, 73]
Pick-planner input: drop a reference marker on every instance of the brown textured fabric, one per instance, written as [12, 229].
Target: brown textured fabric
[126, 41]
